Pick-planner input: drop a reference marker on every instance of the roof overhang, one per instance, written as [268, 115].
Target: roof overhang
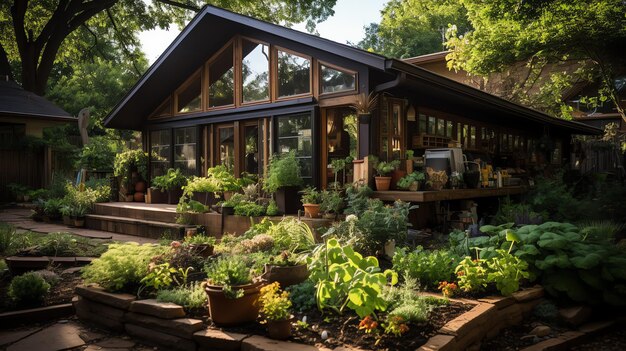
[432, 83]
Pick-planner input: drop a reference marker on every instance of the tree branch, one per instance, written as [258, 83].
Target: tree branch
[5, 67]
[122, 43]
[186, 6]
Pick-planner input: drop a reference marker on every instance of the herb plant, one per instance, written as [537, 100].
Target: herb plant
[28, 289]
[229, 272]
[284, 171]
[275, 304]
[428, 267]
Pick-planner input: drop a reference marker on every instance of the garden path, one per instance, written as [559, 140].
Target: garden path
[20, 218]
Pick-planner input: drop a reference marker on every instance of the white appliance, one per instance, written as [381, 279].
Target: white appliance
[448, 159]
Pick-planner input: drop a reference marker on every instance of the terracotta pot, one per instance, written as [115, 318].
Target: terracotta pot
[279, 330]
[139, 197]
[203, 250]
[227, 195]
[286, 275]
[140, 187]
[229, 312]
[311, 210]
[382, 183]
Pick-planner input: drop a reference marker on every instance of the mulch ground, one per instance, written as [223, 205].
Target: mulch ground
[344, 330]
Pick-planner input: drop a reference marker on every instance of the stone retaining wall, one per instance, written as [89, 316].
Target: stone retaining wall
[165, 325]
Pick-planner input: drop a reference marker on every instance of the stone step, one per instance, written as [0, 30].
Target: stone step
[133, 226]
[137, 210]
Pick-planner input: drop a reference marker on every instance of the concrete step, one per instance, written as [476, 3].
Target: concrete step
[134, 226]
[154, 212]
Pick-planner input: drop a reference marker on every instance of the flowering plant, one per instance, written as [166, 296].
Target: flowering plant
[368, 324]
[275, 304]
[448, 289]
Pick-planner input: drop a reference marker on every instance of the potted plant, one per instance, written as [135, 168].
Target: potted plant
[51, 209]
[284, 179]
[129, 166]
[232, 291]
[225, 182]
[201, 189]
[66, 211]
[276, 311]
[332, 203]
[172, 183]
[411, 181]
[311, 200]
[436, 179]
[287, 269]
[382, 170]
[228, 206]
[364, 105]
[77, 214]
[201, 244]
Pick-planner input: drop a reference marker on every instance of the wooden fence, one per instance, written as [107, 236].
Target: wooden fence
[27, 167]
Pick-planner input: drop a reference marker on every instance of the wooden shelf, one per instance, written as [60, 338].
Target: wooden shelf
[447, 194]
[430, 141]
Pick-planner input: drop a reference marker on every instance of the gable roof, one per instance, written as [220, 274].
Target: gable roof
[196, 43]
[15, 101]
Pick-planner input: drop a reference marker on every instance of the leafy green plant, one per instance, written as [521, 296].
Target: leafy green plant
[228, 272]
[303, 295]
[191, 296]
[163, 275]
[200, 185]
[275, 304]
[291, 234]
[358, 198]
[173, 179]
[383, 168]
[52, 208]
[283, 171]
[404, 302]
[428, 267]
[272, 208]
[122, 266]
[311, 196]
[415, 177]
[223, 179]
[200, 239]
[127, 161]
[345, 278]
[249, 209]
[332, 201]
[28, 289]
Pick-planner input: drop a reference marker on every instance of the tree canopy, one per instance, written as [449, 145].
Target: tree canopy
[43, 38]
[414, 27]
[544, 35]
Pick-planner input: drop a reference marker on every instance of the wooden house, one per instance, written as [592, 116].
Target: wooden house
[234, 90]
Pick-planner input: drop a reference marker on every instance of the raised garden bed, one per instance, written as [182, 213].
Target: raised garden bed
[457, 326]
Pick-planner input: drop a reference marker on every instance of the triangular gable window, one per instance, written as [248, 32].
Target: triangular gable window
[189, 95]
[164, 110]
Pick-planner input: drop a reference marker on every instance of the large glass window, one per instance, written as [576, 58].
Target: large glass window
[189, 99]
[252, 158]
[160, 141]
[255, 71]
[294, 133]
[294, 74]
[185, 150]
[333, 80]
[222, 79]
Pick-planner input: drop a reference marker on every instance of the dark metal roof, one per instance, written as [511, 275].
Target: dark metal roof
[15, 101]
[212, 27]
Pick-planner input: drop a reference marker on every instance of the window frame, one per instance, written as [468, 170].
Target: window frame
[239, 71]
[274, 59]
[184, 86]
[206, 68]
[321, 63]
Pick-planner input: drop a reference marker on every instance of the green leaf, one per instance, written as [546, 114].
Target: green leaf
[512, 236]
[586, 262]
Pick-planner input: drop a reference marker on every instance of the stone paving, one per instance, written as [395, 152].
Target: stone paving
[64, 334]
[67, 335]
[20, 218]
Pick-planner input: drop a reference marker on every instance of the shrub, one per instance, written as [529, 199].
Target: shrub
[272, 208]
[191, 296]
[173, 179]
[122, 266]
[302, 296]
[28, 289]
[428, 267]
[291, 234]
[275, 304]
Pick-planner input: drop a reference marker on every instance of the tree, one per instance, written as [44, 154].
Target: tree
[40, 37]
[414, 27]
[544, 35]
